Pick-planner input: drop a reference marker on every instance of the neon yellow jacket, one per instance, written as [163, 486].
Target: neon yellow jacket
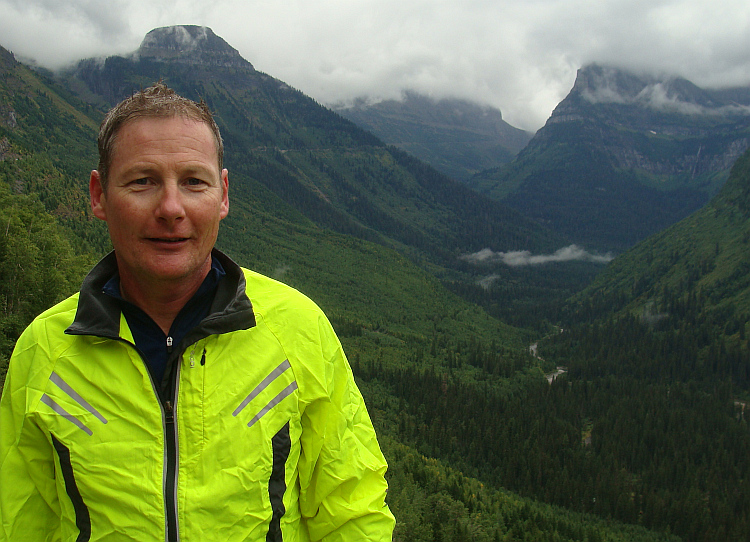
[257, 433]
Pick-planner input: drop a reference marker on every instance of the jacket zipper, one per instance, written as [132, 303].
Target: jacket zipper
[169, 486]
[172, 446]
[169, 481]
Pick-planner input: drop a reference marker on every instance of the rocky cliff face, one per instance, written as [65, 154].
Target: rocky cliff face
[190, 45]
[668, 95]
[636, 116]
[7, 60]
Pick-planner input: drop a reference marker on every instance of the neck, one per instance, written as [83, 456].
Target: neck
[161, 301]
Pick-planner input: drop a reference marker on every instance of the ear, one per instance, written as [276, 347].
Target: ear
[96, 193]
[224, 193]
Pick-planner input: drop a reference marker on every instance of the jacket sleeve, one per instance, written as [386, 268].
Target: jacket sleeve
[342, 483]
[29, 509]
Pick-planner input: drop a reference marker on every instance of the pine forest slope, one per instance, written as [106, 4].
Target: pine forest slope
[662, 335]
[705, 257]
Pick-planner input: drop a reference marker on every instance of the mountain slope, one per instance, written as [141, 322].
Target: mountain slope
[456, 137]
[624, 156]
[704, 257]
[48, 139]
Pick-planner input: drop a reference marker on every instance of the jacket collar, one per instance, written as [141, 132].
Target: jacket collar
[99, 314]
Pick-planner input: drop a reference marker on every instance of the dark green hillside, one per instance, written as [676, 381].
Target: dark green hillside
[686, 290]
[48, 147]
[701, 264]
[37, 114]
[658, 367]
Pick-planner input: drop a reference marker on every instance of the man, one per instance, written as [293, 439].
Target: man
[178, 396]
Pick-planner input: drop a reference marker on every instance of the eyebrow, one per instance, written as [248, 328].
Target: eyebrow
[146, 169]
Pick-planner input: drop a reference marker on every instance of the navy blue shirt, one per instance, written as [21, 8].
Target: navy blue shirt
[148, 336]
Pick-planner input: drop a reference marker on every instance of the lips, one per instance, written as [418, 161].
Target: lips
[167, 241]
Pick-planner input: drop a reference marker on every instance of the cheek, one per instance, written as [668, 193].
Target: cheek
[125, 221]
[208, 216]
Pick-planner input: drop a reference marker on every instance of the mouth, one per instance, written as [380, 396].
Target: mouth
[168, 240]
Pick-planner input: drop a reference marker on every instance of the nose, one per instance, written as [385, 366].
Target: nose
[171, 207]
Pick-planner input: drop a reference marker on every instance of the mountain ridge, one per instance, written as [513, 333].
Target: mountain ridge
[624, 156]
[457, 137]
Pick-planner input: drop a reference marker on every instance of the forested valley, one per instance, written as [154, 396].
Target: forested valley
[642, 435]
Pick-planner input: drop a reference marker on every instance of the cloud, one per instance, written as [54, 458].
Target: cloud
[486, 282]
[518, 55]
[660, 96]
[521, 258]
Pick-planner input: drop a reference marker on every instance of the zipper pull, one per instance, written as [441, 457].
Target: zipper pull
[169, 345]
[169, 412]
[203, 357]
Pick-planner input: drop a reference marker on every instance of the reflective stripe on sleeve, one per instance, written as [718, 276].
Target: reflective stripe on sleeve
[47, 400]
[263, 385]
[54, 377]
[286, 392]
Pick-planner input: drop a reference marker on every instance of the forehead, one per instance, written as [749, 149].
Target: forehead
[176, 137]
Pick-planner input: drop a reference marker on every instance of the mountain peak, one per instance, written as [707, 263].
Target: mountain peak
[190, 44]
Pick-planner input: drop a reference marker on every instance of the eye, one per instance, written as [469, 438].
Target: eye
[143, 181]
[194, 182]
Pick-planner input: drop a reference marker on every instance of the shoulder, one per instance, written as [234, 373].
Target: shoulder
[270, 296]
[43, 339]
[54, 320]
[295, 320]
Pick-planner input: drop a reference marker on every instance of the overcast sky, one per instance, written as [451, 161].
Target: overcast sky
[518, 55]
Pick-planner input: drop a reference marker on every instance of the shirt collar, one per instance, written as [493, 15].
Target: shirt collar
[112, 286]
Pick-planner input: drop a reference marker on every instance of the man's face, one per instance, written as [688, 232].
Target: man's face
[164, 200]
